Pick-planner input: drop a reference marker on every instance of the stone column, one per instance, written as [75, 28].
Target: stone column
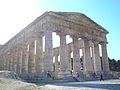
[69, 59]
[56, 66]
[39, 54]
[63, 61]
[15, 59]
[31, 60]
[25, 59]
[87, 62]
[48, 52]
[64, 68]
[105, 62]
[96, 57]
[76, 55]
[19, 62]
[4, 62]
[11, 60]
[7, 60]
[1, 62]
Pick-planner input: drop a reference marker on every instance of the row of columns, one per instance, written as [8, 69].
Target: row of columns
[23, 59]
[91, 65]
[30, 58]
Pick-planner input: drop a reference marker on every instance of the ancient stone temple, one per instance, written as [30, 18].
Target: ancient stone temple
[26, 54]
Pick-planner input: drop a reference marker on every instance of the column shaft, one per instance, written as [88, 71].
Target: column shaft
[4, 62]
[31, 60]
[87, 62]
[63, 59]
[39, 55]
[1, 63]
[105, 62]
[96, 58]
[11, 60]
[7, 60]
[69, 60]
[76, 55]
[15, 60]
[25, 59]
[48, 52]
[19, 62]
[56, 65]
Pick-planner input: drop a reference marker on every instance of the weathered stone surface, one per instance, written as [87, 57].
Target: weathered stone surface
[25, 53]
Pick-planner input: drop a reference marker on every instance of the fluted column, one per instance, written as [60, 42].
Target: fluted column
[76, 55]
[4, 62]
[105, 62]
[15, 59]
[69, 59]
[7, 60]
[25, 59]
[39, 54]
[64, 67]
[62, 51]
[19, 62]
[1, 62]
[96, 57]
[31, 60]
[56, 65]
[87, 62]
[11, 60]
[48, 52]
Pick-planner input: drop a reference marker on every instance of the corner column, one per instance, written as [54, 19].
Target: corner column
[48, 52]
[105, 62]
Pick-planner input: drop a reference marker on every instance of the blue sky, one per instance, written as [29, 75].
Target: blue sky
[16, 14]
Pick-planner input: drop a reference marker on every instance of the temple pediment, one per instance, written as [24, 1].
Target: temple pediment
[77, 18]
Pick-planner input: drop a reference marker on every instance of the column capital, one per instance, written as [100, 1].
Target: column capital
[103, 42]
[61, 34]
[95, 42]
[74, 36]
[40, 34]
[31, 40]
[85, 39]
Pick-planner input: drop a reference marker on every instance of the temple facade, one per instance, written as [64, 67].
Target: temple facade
[25, 53]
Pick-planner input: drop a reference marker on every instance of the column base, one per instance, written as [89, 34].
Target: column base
[89, 73]
[106, 72]
[63, 74]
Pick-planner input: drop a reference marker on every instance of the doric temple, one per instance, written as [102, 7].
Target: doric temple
[26, 54]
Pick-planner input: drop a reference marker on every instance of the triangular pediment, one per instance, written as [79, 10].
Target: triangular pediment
[78, 18]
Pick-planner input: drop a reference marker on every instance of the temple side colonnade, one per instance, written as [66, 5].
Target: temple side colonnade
[25, 53]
